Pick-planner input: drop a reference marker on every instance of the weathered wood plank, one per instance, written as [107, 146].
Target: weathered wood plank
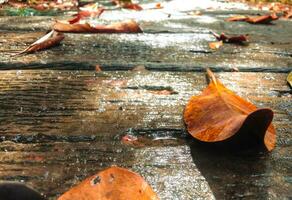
[53, 101]
[178, 43]
[167, 52]
[54, 167]
[58, 127]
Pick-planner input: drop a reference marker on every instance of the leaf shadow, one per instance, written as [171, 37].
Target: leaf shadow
[231, 172]
[12, 191]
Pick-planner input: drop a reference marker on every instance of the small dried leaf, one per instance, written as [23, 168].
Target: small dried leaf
[113, 183]
[266, 19]
[236, 18]
[132, 6]
[51, 39]
[158, 6]
[129, 26]
[218, 115]
[287, 14]
[130, 140]
[215, 45]
[85, 14]
[239, 39]
[98, 68]
[127, 4]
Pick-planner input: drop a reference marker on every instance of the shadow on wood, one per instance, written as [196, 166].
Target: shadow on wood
[232, 173]
[14, 191]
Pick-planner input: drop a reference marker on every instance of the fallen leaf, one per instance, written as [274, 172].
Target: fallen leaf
[129, 26]
[17, 4]
[128, 4]
[51, 39]
[215, 45]
[236, 18]
[42, 5]
[289, 79]
[239, 39]
[287, 14]
[265, 19]
[132, 6]
[219, 115]
[158, 6]
[130, 140]
[98, 68]
[85, 14]
[114, 183]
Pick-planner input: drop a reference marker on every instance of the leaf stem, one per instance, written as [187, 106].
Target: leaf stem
[211, 76]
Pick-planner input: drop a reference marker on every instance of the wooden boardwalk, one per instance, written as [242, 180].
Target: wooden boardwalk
[61, 121]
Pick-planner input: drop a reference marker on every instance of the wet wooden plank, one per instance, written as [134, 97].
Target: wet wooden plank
[160, 52]
[109, 102]
[58, 127]
[54, 167]
[178, 43]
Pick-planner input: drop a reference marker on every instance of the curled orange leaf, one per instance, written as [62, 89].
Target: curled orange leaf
[113, 183]
[219, 115]
[128, 26]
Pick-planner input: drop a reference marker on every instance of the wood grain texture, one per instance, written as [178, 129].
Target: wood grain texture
[58, 127]
[174, 44]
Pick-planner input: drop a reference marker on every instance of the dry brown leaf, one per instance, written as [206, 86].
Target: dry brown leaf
[239, 39]
[265, 19]
[220, 115]
[215, 45]
[17, 4]
[158, 6]
[98, 68]
[128, 4]
[51, 39]
[130, 140]
[236, 18]
[114, 183]
[44, 4]
[287, 14]
[128, 26]
[85, 14]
